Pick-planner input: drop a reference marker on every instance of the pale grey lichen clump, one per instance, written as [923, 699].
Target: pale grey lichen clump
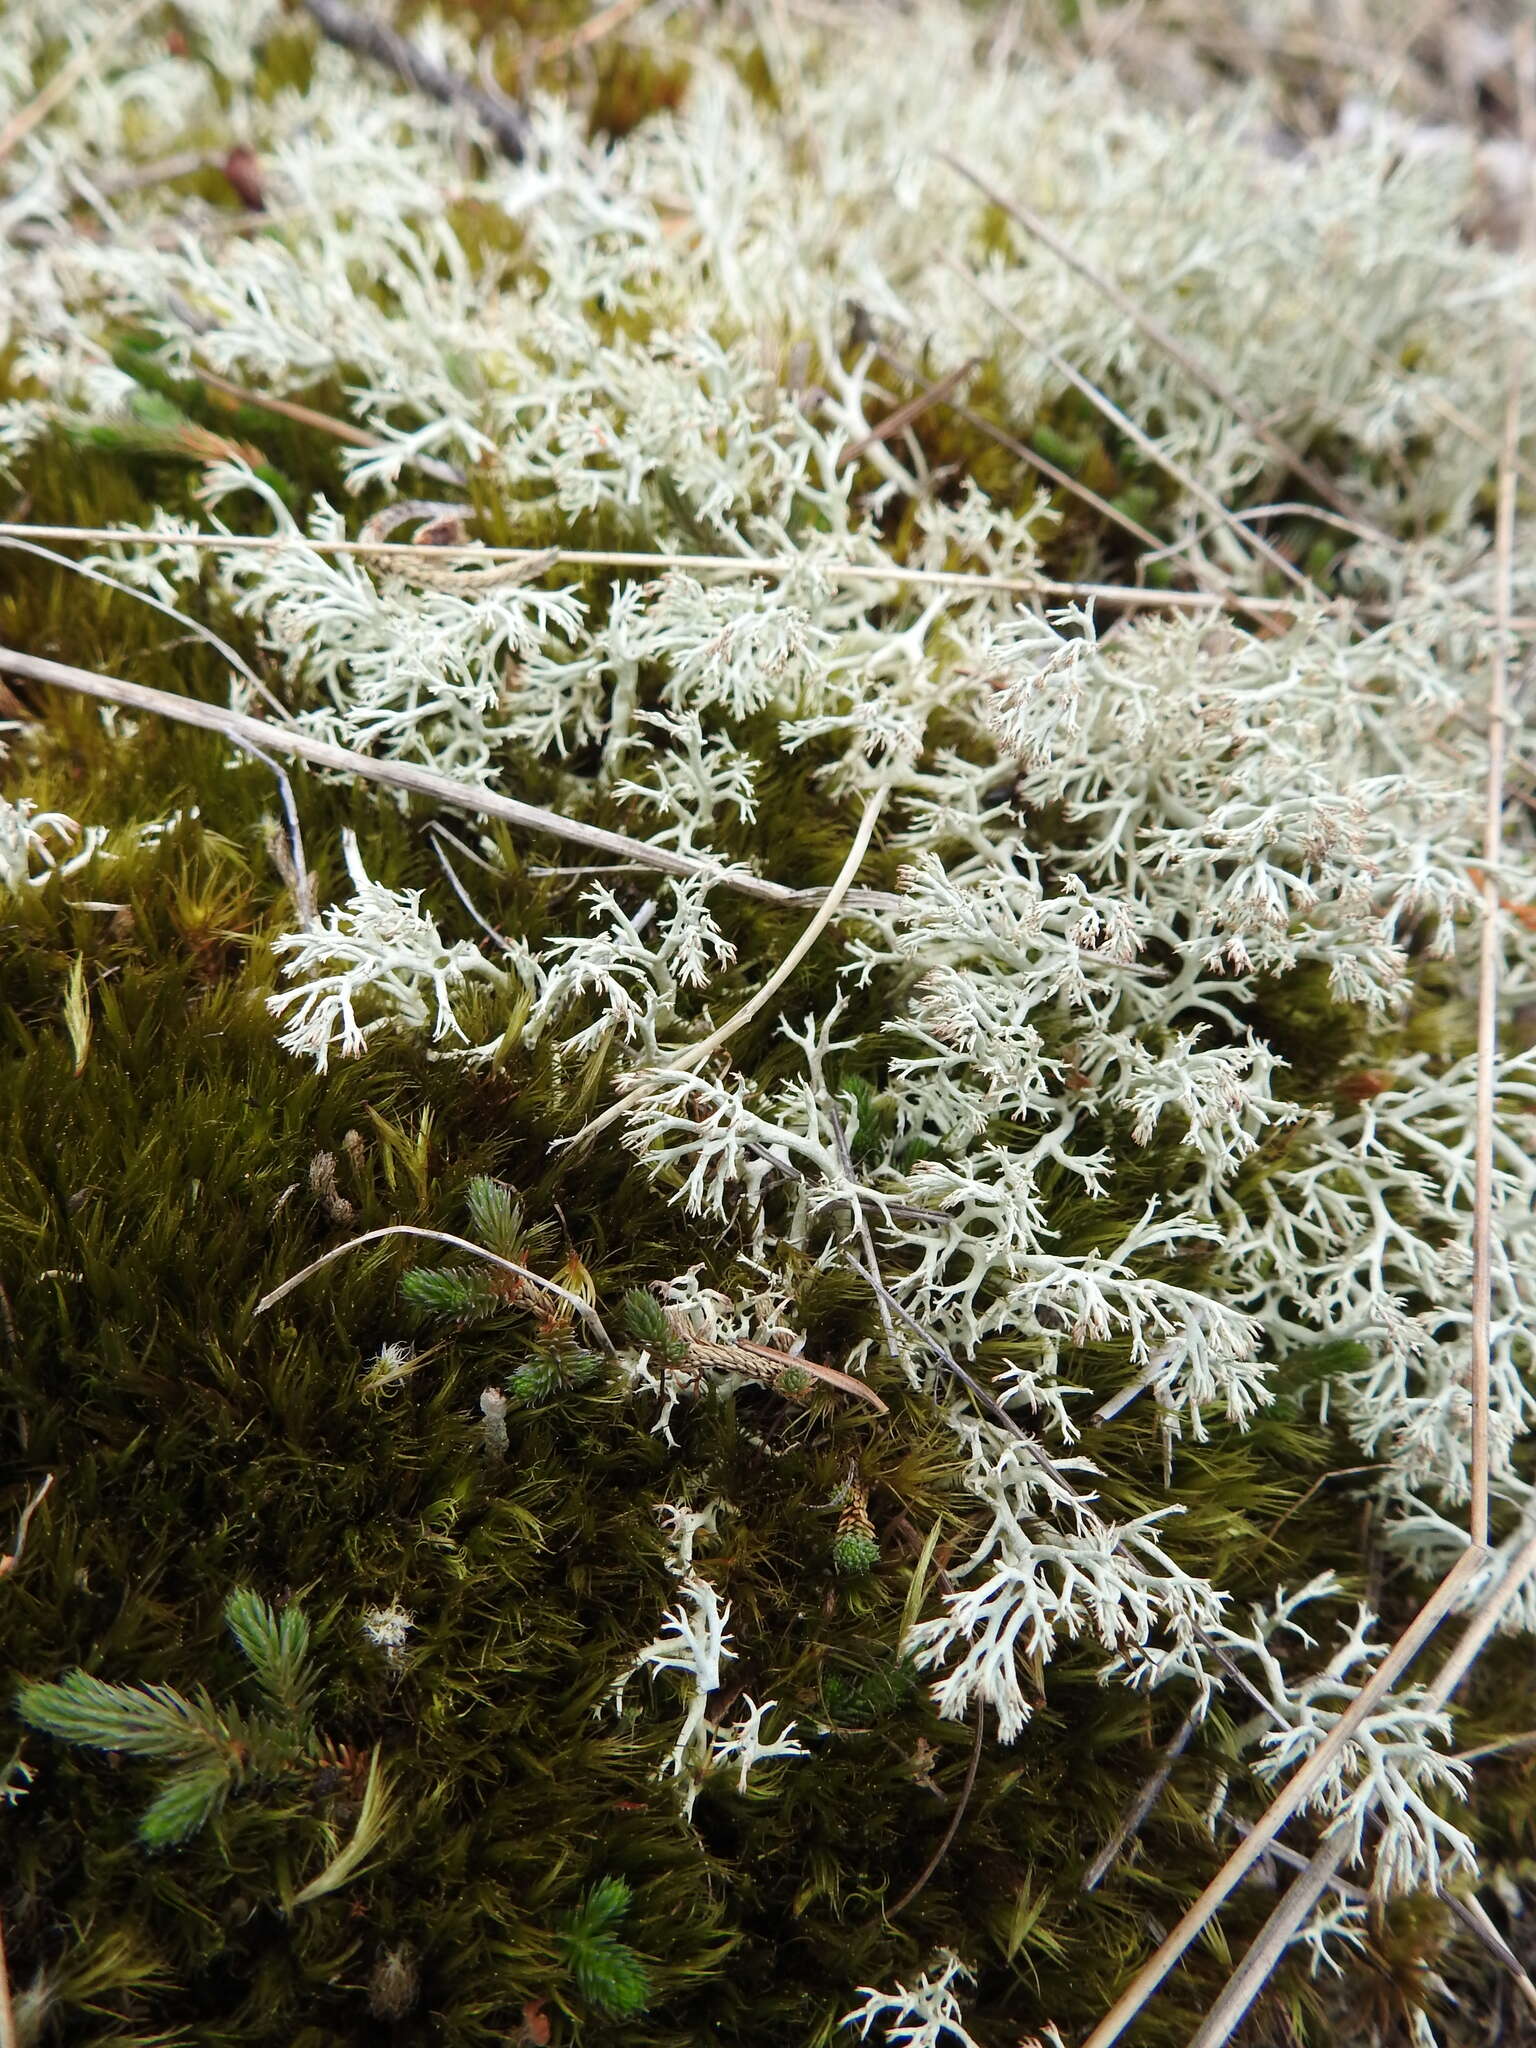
[661, 349]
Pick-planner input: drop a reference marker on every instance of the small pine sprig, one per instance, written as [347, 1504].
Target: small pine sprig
[213, 1747]
[649, 1324]
[863, 1121]
[187, 1801]
[131, 1720]
[497, 1221]
[467, 1293]
[153, 1721]
[462, 1292]
[560, 1370]
[607, 1973]
[854, 1549]
[277, 1648]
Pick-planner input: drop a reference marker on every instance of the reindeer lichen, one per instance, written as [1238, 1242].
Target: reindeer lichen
[761, 1560]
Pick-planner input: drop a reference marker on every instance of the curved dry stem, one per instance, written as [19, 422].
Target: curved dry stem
[584, 1309]
[690, 1061]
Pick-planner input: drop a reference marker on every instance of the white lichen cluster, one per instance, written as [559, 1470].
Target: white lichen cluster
[928, 2015]
[1116, 841]
[693, 1646]
[31, 842]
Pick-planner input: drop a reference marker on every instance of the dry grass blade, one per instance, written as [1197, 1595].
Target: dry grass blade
[220, 646]
[584, 1309]
[1488, 956]
[255, 734]
[12, 1558]
[1131, 597]
[372, 1821]
[64, 80]
[1155, 332]
[1276, 1935]
[1469, 1911]
[693, 1058]
[296, 873]
[1297, 1789]
[892, 573]
[738, 1355]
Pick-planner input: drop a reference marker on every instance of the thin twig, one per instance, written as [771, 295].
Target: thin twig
[159, 171]
[326, 423]
[1118, 417]
[601, 24]
[1154, 330]
[1127, 594]
[1451, 413]
[1293, 1795]
[955, 1819]
[900, 417]
[584, 1309]
[1037, 1452]
[1527, 1740]
[427, 782]
[9, 2036]
[1061, 478]
[437, 836]
[1142, 1804]
[973, 1386]
[366, 37]
[694, 1056]
[1488, 971]
[861, 1222]
[12, 1558]
[300, 881]
[1294, 508]
[1342, 1472]
[68, 76]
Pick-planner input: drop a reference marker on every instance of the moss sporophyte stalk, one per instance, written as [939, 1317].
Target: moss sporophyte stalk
[547, 1504]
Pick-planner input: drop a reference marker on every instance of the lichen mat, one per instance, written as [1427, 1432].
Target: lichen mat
[767, 945]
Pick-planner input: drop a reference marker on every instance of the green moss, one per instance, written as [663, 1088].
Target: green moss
[197, 1448]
